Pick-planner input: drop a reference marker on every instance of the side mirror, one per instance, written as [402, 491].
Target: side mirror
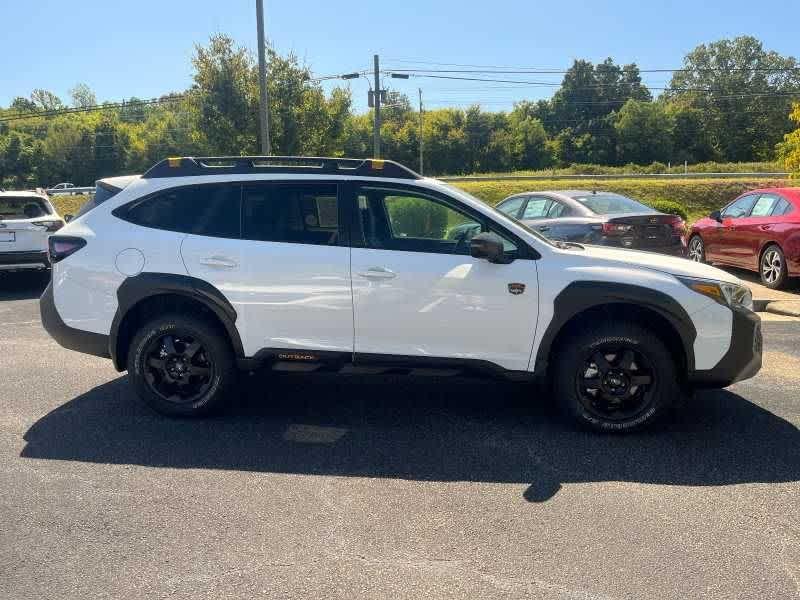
[68, 218]
[716, 215]
[489, 246]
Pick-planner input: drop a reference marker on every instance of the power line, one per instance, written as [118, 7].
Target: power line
[131, 104]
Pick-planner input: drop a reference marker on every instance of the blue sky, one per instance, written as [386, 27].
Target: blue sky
[144, 48]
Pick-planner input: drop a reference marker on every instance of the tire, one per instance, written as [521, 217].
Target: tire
[596, 371]
[696, 249]
[182, 366]
[772, 267]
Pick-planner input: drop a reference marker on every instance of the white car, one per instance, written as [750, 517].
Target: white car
[205, 266]
[27, 219]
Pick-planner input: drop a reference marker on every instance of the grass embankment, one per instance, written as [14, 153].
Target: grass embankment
[699, 196]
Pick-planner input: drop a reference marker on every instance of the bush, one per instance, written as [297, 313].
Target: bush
[417, 218]
[669, 207]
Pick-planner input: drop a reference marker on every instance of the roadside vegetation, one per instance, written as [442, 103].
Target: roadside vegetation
[728, 109]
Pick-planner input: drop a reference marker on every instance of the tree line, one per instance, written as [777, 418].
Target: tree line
[731, 102]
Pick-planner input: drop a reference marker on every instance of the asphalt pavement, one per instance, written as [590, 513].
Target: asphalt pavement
[383, 487]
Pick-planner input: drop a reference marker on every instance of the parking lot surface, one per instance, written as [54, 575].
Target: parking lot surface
[382, 487]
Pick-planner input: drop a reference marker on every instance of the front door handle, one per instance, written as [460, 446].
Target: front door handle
[378, 273]
[544, 228]
[219, 262]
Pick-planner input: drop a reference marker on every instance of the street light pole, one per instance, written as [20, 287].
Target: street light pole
[376, 127]
[420, 131]
[266, 150]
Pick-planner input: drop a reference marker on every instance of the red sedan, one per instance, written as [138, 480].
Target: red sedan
[760, 231]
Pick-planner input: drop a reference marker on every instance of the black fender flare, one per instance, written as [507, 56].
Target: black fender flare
[148, 285]
[580, 296]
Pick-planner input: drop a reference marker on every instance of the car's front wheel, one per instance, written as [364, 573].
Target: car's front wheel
[773, 269]
[697, 250]
[182, 365]
[615, 378]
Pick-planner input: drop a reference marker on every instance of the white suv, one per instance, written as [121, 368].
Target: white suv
[27, 219]
[204, 266]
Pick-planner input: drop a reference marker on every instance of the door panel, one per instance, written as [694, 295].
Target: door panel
[753, 229]
[417, 292]
[730, 247]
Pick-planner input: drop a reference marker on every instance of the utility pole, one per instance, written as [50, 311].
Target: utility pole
[376, 127]
[266, 150]
[420, 131]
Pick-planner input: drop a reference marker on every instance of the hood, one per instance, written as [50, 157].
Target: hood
[681, 267]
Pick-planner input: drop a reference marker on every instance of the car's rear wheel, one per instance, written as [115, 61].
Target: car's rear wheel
[615, 378]
[182, 366]
[773, 269]
[697, 250]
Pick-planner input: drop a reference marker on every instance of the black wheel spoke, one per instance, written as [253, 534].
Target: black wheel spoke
[169, 344]
[199, 370]
[592, 383]
[191, 349]
[600, 361]
[626, 361]
[156, 363]
[638, 380]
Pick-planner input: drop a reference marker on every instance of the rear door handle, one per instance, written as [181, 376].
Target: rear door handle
[378, 273]
[219, 262]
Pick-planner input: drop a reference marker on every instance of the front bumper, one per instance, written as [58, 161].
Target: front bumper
[32, 259]
[69, 337]
[743, 358]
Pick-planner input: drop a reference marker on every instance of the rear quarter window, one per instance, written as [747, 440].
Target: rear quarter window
[210, 210]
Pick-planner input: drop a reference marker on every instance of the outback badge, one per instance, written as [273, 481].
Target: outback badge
[516, 288]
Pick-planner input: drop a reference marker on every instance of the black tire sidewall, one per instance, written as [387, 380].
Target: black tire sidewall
[579, 346]
[781, 280]
[217, 350]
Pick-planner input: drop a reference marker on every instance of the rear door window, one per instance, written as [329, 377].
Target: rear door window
[782, 207]
[536, 208]
[292, 213]
[210, 210]
[764, 205]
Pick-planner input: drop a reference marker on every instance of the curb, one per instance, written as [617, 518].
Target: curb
[788, 308]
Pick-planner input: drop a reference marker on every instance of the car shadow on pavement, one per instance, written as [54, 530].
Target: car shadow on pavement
[453, 430]
[23, 285]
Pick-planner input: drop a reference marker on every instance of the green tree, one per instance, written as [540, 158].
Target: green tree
[743, 92]
[644, 132]
[789, 149]
[82, 96]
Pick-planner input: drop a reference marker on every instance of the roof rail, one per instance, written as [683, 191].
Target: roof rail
[188, 166]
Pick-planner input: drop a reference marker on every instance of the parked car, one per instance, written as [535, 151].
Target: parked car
[597, 217]
[62, 189]
[758, 231]
[27, 219]
[203, 266]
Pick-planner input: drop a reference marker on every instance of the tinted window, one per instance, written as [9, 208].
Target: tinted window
[295, 213]
[511, 207]
[739, 208]
[604, 203]
[401, 220]
[211, 210]
[782, 207]
[536, 208]
[22, 207]
[556, 210]
[102, 192]
[764, 205]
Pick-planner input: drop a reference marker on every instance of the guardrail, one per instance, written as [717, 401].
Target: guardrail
[615, 176]
[70, 191]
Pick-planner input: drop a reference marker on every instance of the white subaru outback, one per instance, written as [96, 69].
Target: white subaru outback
[27, 219]
[205, 266]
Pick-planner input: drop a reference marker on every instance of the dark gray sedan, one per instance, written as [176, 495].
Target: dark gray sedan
[594, 217]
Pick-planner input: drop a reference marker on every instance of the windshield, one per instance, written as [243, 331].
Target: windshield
[22, 207]
[500, 214]
[604, 203]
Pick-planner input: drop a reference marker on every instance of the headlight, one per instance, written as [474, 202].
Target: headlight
[727, 294]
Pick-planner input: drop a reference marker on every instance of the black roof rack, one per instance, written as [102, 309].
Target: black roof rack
[188, 166]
